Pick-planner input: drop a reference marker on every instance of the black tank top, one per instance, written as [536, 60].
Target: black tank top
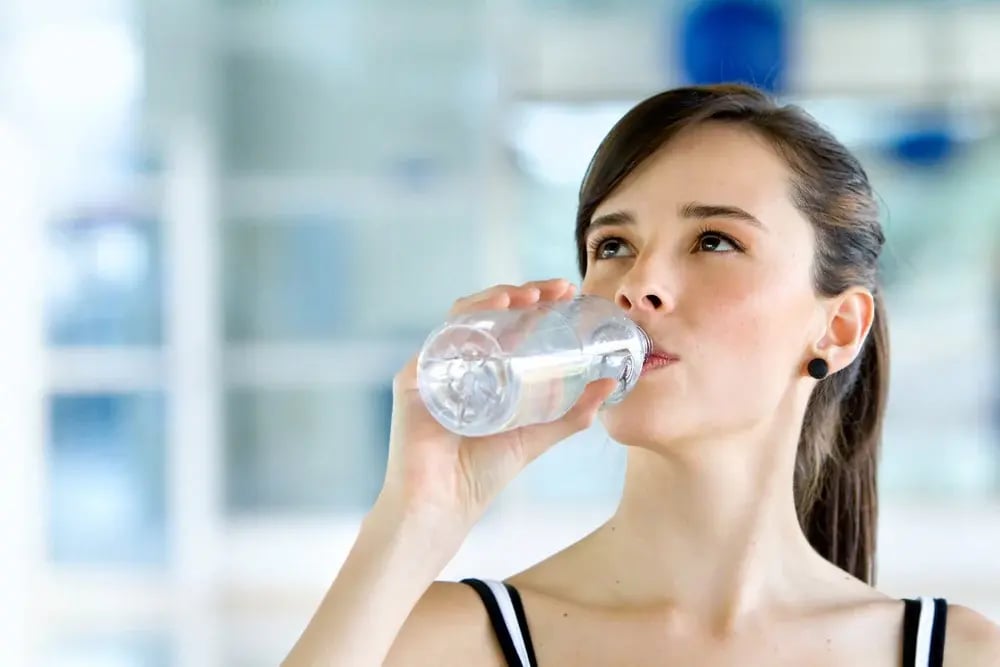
[924, 621]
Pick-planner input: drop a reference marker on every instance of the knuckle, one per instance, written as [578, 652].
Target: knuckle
[405, 377]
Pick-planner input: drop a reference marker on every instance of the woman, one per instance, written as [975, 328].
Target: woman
[745, 240]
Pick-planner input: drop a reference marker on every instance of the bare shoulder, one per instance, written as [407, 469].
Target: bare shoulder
[448, 626]
[971, 639]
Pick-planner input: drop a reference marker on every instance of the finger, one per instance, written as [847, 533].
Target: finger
[540, 437]
[496, 300]
[520, 295]
[541, 291]
[498, 296]
[524, 296]
[552, 289]
[569, 293]
[484, 293]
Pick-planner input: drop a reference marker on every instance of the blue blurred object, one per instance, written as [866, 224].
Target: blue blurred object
[415, 172]
[107, 495]
[929, 146]
[734, 41]
[125, 647]
[104, 281]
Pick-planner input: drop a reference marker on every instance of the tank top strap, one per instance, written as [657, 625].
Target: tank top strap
[510, 625]
[924, 623]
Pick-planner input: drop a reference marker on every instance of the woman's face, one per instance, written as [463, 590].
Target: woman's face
[704, 248]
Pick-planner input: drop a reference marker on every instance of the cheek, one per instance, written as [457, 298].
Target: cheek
[754, 322]
[601, 281]
[728, 304]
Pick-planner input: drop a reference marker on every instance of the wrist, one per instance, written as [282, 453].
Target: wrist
[429, 533]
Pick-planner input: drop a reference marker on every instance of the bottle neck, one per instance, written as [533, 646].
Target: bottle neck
[645, 341]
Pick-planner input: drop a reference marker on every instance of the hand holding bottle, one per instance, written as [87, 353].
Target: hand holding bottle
[448, 478]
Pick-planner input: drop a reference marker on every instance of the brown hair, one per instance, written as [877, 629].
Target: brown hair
[835, 472]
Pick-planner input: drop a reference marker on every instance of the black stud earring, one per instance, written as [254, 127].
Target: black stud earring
[818, 368]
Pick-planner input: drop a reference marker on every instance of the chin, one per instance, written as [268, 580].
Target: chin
[644, 423]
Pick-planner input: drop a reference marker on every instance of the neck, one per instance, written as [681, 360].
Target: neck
[711, 527]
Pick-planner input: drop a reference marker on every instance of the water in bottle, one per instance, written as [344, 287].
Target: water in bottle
[487, 372]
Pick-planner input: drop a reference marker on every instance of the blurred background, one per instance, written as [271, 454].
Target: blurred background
[224, 224]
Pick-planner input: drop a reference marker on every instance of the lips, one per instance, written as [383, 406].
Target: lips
[662, 355]
[658, 358]
[653, 363]
[658, 352]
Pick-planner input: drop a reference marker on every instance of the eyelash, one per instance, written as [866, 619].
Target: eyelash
[594, 244]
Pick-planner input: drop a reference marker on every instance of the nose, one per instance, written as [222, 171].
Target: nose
[639, 292]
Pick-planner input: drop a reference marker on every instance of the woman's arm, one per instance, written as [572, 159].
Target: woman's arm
[437, 485]
[971, 640]
[390, 567]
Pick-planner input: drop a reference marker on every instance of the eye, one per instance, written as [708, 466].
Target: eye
[607, 248]
[712, 241]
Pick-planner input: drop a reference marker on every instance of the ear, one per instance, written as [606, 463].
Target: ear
[849, 319]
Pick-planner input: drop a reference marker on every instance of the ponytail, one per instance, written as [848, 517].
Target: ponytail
[836, 469]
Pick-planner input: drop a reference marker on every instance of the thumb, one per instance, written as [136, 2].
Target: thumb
[540, 437]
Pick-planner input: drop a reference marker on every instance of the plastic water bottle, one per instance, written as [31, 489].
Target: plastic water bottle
[487, 372]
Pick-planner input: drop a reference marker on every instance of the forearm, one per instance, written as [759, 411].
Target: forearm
[391, 565]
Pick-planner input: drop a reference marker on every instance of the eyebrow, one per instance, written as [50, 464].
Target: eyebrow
[699, 211]
[690, 211]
